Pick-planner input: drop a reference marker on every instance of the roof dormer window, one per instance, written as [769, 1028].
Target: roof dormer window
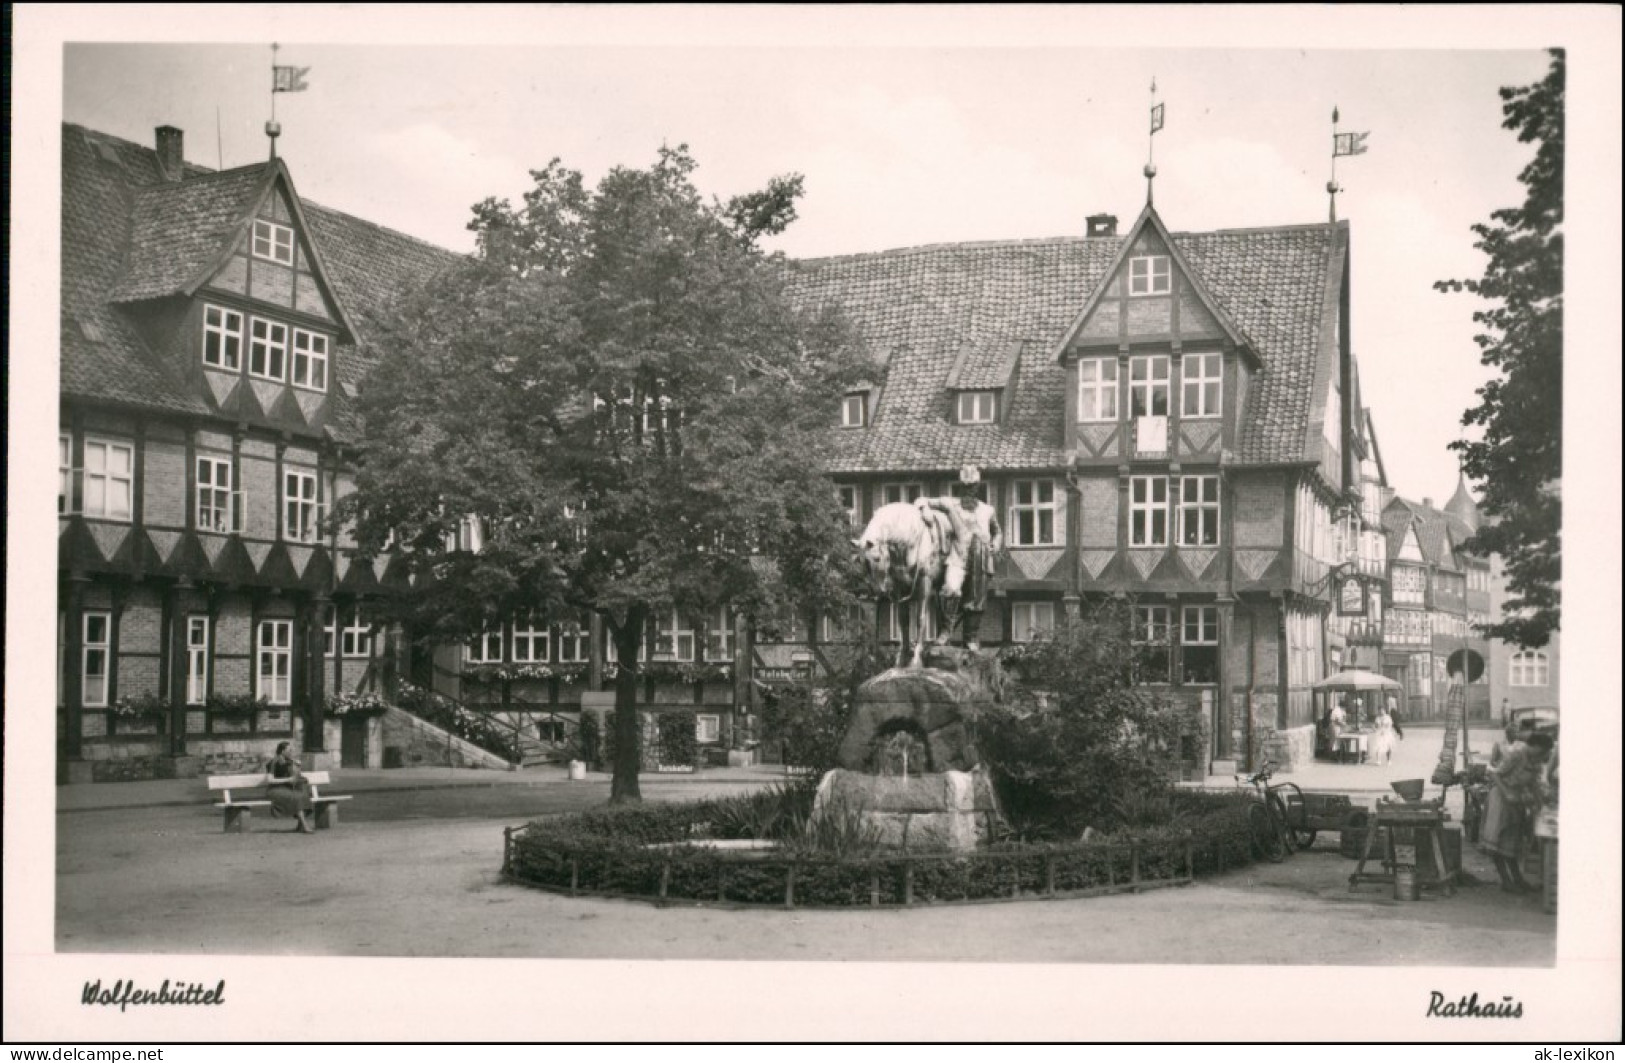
[273, 242]
[1149, 275]
[855, 410]
[978, 407]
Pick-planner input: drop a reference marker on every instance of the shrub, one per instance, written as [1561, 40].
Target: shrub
[810, 714]
[623, 851]
[1092, 747]
[679, 747]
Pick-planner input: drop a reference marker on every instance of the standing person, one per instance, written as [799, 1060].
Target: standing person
[1382, 739]
[970, 562]
[1393, 714]
[1515, 795]
[287, 788]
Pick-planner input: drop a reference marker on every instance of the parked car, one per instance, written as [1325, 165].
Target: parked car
[1536, 718]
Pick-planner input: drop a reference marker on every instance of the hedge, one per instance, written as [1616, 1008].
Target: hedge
[655, 852]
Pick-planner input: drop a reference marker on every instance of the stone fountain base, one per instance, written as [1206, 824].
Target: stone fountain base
[910, 769]
[941, 810]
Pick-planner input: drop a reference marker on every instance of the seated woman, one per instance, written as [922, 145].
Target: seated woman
[287, 788]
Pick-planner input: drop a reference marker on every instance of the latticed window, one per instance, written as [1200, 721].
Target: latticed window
[1149, 275]
[197, 660]
[484, 648]
[222, 337]
[268, 349]
[1152, 662]
[1033, 512]
[95, 659]
[310, 360]
[1031, 620]
[299, 507]
[273, 242]
[1199, 510]
[1201, 385]
[1199, 643]
[573, 639]
[1529, 669]
[674, 637]
[1097, 389]
[275, 661]
[214, 509]
[719, 636]
[530, 642]
[109, 479]
[1148, 511]
[1148, 385]
[977, 407]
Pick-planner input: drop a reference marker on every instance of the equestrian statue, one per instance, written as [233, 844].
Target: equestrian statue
[934, 554]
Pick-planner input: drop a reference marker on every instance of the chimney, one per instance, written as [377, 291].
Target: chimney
[1427, 503]
[171, 159]
[1102, 225]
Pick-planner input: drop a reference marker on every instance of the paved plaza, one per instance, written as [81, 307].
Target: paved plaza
[430, 840]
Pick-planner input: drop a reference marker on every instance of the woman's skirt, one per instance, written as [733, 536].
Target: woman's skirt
[289, 799]
[1503, 829]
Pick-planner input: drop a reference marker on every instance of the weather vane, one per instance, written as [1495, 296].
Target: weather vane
[1151, 141]
[283, 79]
[1342, 144]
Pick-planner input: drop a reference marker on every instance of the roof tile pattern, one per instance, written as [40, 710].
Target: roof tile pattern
[178, 229]
[128, 235]
[923, 305]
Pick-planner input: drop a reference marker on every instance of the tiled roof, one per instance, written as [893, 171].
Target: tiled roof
[115, 205]
[925, 304]
[177, 229]
[107, 361]
[983, 366]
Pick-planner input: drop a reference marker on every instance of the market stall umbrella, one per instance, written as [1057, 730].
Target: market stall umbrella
[1354, 679]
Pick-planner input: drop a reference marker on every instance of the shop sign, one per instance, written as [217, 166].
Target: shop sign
[1351, 598]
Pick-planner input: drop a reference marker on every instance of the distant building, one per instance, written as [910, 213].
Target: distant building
[1437, 594]
[1517, 678]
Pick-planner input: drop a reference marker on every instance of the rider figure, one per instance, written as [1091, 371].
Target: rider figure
[970, 563]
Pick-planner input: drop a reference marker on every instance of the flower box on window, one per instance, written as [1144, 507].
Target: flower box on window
[238, 705]
[131, 708]
[366, 703]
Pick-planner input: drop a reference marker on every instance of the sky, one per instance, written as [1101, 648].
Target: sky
[906, 145]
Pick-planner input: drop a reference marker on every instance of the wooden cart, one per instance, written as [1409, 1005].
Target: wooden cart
[1309, 812]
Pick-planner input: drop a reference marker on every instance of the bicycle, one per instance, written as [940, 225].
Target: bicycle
[1275, 831]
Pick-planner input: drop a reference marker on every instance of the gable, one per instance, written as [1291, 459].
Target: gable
[252, 268]
[1151, 294]
[1409, 548]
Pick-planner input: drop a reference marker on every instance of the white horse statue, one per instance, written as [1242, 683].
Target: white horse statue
[906, 549]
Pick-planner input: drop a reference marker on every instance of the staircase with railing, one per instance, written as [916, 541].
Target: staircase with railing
[550, 738]
[554, 738]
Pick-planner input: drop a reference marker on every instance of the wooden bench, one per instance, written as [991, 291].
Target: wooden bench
[239, 812]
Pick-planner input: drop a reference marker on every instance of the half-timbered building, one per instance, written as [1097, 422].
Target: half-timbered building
[209, 365]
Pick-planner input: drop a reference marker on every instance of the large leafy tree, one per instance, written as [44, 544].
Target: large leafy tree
[1518, 457]
[617, 386]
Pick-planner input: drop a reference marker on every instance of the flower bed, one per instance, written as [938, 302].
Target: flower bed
[661, 853]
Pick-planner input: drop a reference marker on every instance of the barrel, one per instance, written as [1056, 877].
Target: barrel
[578, 770]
